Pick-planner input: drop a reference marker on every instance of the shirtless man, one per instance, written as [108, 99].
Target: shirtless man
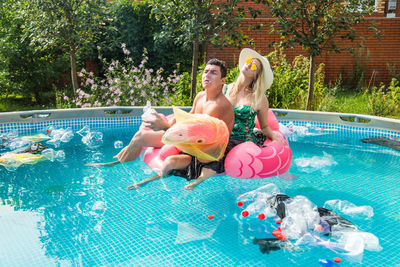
[212, 102]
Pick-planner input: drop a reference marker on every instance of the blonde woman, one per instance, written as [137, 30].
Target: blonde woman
[247, 96]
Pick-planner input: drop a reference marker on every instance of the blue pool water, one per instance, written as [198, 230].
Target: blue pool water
[62, 213]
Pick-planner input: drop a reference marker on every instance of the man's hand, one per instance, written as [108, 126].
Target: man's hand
[156, 124]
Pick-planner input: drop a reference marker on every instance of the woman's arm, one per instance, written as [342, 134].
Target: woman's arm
[262, 115]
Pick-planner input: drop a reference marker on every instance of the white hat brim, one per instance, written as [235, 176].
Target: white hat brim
[249, 53]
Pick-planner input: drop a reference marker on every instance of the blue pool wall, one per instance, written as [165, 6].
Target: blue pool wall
[31, 122]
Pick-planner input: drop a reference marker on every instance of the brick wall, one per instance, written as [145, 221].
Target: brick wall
[376, 54]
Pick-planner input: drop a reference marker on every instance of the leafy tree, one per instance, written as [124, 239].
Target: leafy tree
[66, 24]
[198, 22]
[131, 23]
[24, 69]
[316, 25]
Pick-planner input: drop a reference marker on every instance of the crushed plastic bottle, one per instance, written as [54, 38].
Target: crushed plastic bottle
[301, 216]
[84, 131]
[148, 112]
[93, 139]
[369, 240]
[60, 155]
[49, 154]
[60, 135]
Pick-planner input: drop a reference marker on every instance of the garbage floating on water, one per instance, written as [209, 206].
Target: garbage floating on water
[302, 224]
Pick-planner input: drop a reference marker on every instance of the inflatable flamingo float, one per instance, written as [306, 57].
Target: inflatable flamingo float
[207, 139]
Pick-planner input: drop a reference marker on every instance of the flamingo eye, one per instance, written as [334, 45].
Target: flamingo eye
[200, 141]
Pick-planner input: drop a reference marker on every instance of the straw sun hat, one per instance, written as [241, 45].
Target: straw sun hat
[267, 72]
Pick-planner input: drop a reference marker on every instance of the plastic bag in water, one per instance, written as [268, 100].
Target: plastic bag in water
[301, 217]
[262, 192]
[348, 208]
[17, 143]
[369, 241]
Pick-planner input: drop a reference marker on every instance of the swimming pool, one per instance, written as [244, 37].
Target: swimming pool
[62, 213]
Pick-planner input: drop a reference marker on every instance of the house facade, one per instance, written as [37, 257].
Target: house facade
[379, 58]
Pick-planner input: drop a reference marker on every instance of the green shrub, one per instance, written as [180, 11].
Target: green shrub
[232, 75]
[182, 97]
[290, 87]
[385, 101]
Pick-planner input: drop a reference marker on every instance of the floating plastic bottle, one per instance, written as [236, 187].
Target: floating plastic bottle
[60, 155]
[148, 112]
[84, 131]
[328, 263]
[301, 216]
[93, 139]
[118, 144]
[59, 136]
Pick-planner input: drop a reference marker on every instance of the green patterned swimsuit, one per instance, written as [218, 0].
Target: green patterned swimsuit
[244, 124]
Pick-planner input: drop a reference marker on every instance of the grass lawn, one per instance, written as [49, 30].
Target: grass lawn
[356, 103]
[352, 103]
[19, 103]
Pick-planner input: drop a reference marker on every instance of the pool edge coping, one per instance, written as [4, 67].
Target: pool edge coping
[346, 119]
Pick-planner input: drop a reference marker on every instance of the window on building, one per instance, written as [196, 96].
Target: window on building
[360, 5]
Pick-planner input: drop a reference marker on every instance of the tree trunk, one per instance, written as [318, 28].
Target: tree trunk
[74, 76]
[310, 83]
[195, 61]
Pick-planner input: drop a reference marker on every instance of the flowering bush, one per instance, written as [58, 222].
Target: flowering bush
[124, 84]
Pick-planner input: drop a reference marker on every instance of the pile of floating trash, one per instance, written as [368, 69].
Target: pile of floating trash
[16, 150]
[277, 221]
[298, 131]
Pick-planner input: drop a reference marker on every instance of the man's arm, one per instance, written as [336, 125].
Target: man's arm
[158, 123]
[222, 110]
[196, 101]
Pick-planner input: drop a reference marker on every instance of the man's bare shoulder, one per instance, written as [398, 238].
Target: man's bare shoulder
[221, 108]
[222, 100]
[200, 94]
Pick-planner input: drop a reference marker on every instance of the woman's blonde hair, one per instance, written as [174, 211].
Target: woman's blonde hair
[258, 87]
